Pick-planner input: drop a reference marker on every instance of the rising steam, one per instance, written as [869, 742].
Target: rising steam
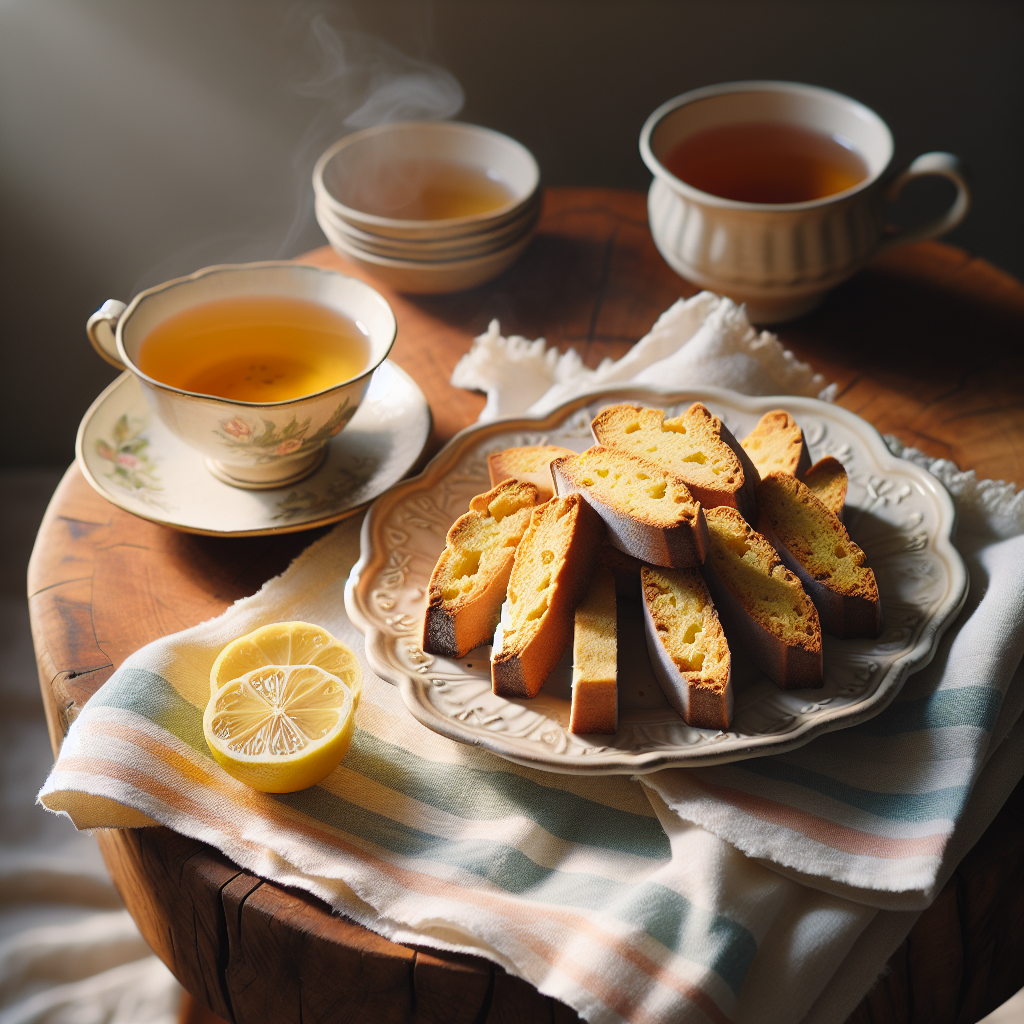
[353, 80]
[362, 81]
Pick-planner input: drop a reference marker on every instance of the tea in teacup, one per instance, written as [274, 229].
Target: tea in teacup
[256, 366]
[766, 162]
[255, 348]
[774, 192]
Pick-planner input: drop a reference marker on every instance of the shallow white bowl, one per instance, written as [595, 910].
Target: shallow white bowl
[431, 278]
[444, 249]
[467, 247]
[469, 144]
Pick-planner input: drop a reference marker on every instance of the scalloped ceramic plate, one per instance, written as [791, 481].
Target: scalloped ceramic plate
[899, 514]
[133, 460]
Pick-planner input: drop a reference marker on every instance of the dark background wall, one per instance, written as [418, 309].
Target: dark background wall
[139, 141]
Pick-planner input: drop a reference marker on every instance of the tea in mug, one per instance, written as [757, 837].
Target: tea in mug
[423, 189]
[255, 348]
[766, 162]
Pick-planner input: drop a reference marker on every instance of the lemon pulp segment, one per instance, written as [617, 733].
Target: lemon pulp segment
[280, 728]
[287, 643]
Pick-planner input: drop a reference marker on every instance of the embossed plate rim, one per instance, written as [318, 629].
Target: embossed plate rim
[525, 751]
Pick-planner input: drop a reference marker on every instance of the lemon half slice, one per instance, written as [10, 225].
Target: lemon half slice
[287, 643]
[280, 728]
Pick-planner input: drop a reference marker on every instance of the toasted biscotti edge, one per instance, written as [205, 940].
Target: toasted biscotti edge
[746, 497]
[530, 464]
[518, 671]
[679, 546]
[828, 480]
[705, 701]
[848, 616]
[790, 667]
[777, 443]
[452, 628]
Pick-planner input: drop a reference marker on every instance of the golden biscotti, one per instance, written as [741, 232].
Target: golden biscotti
[777, 445]
[649, 511]
[531, 465]
[828, 481]
[812, 541]
[762, 603]
[696, 446]
[551, 572]
[595, 699]
[468, 583]
[688, 649]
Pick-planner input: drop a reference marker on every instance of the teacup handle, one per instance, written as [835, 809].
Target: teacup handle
[944, 165]
[101, 327]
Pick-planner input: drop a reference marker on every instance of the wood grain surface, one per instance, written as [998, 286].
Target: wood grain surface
[924, 344]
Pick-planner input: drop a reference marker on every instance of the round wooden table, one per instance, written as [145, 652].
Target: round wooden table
[925, 344]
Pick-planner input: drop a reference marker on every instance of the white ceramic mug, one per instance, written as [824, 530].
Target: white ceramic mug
[249, 444]
[781, 258]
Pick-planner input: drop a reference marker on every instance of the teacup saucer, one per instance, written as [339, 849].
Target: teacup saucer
[134, 461]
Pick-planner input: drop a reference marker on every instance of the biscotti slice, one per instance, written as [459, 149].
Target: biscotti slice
[550, 575]
[762, 603]
[625, 570]
[777, 444]
[531, 464]
[696, 446]
[595, 699]
[812, 541]
[650, 512]
[468, 584]
[688, 649]
[828, 481]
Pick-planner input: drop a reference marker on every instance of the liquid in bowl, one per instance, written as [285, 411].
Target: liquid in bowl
[425, 189]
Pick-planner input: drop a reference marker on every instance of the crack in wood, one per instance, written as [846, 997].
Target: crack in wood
[848, 386]
[485, 1009]
[71, 673]
[412, 984]
[59, 583]
[990, 410]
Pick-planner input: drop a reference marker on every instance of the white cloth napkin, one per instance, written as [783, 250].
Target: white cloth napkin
[706, 341]
[605, 893]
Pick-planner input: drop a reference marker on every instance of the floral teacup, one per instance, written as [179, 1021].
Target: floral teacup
[249, 444]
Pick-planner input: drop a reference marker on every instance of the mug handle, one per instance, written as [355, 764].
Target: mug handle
[101, 327]
[943, 165]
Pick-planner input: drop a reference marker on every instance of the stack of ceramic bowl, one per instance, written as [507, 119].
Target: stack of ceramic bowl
[443, 254]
